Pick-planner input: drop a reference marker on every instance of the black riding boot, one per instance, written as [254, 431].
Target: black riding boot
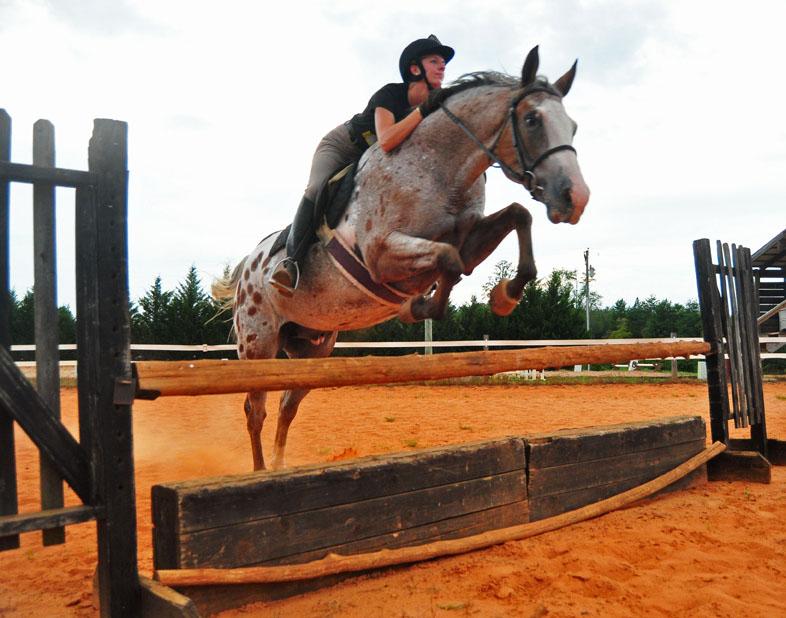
[287, 272]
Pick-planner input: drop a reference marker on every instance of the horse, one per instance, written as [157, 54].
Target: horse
[414, 225]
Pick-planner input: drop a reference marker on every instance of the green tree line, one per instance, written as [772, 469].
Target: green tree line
[552, 307]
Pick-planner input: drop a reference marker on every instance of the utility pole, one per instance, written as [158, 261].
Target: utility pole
[586, 285]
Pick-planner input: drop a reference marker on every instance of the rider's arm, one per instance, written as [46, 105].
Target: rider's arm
[390, 133]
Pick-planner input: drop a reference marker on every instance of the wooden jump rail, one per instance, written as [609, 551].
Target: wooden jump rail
[167, 378]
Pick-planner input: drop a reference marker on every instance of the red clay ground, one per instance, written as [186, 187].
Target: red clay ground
[716, 550]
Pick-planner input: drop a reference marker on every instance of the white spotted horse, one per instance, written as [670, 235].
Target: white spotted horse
[413, 226]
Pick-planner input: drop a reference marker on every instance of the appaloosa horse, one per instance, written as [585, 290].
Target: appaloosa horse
[413, 226]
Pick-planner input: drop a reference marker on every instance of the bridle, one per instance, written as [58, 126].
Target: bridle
[527, 175]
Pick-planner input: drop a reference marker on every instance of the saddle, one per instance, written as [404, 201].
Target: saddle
[333, 197]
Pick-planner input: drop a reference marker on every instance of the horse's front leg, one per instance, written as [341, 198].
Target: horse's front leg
[429, 307]
[402, 257]
[485, 236]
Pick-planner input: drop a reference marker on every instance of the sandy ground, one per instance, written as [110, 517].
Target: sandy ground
[715, 550]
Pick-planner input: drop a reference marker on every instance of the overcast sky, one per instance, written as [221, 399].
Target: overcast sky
[680, 106]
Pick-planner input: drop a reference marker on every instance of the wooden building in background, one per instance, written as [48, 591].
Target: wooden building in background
[769, 267]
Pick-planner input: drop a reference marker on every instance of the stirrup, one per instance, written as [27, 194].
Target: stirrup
[285, 289]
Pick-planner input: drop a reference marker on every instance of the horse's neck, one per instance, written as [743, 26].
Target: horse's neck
[482, 111]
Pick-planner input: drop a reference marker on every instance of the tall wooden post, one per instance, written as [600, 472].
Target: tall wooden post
[9, 504]
[47, 366]
[104, 361]
[711, 311]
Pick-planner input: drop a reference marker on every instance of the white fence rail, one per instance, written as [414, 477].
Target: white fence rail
[477, 343]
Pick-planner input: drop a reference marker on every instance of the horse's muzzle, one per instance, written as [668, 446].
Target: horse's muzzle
[571, 203]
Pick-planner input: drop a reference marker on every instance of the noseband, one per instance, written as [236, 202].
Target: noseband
[527, 175]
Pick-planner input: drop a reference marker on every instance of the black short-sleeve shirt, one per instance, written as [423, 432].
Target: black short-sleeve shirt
[393, 97]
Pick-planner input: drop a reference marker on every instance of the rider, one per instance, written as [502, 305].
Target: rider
[388, 118]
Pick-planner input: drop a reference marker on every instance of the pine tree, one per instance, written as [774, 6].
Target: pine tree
[23, 318]
[150, 322]
[192, 312]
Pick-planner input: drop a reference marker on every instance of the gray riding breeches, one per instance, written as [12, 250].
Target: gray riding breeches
[335, 151]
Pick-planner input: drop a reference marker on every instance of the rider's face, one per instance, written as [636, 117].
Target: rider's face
[435, 69]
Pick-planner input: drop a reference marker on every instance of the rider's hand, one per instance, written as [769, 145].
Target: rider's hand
[435, 98]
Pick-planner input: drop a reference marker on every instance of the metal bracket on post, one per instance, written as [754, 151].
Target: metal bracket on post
[127, 390]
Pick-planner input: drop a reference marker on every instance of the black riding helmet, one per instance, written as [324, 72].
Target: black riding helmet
[416, 50]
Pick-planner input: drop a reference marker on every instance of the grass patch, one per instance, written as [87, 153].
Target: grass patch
[390, 419]
[411, 443]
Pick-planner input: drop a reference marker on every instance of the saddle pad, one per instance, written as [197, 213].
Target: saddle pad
[334, 196]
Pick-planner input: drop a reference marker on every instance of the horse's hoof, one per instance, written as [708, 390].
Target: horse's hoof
[502, 304]
[405, 313]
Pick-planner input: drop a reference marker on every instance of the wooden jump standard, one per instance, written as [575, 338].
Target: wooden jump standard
[166, 378]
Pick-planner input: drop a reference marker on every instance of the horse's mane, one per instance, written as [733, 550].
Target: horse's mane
[498, 79]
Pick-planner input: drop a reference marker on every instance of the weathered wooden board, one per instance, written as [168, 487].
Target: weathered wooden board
[570, 469]
[590, 443]
[356, 506]
[409, 499]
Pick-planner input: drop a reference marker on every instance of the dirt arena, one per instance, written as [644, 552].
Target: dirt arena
[716, 550]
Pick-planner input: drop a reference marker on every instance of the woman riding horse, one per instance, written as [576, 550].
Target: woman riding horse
[388, 118]
[411, 231]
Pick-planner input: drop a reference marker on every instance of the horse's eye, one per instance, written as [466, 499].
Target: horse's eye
[532, 120]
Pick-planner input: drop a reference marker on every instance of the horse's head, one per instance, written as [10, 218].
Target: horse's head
[541, 137]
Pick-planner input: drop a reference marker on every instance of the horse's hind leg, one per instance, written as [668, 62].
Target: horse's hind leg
[254, 407]
[485, 236]
[290, 401]
[257, 337]
[297, 344]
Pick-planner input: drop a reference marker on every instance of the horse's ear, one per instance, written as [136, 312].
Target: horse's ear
[564, 83]
[530, 69]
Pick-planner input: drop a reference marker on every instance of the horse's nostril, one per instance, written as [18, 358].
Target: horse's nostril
[567, 194]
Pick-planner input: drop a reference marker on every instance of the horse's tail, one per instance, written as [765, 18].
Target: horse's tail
[224, 288]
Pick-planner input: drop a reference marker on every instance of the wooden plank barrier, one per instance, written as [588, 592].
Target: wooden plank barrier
[166, 378]
[571, 468]
[386, 502]
[357, 506]
[334, 564]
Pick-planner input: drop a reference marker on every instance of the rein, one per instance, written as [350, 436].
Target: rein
[527, 175]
